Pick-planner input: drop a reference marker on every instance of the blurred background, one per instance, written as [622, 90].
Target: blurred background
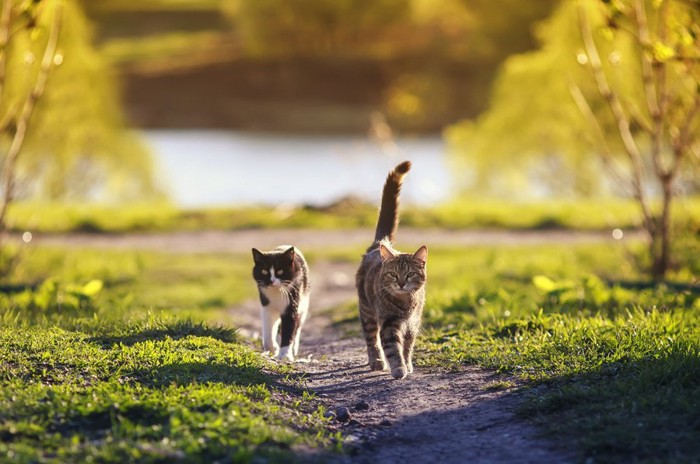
[267, 102]
[309, 102]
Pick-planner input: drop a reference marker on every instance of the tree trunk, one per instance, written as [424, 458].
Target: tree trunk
[661, 254]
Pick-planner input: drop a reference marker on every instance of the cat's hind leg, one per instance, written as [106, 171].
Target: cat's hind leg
[304, 312]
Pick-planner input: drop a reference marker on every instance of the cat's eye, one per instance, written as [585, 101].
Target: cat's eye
[411, 275]
[280, 272]
[265, 272]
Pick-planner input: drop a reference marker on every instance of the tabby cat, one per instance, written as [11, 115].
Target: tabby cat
[391, 288]
[282, 276]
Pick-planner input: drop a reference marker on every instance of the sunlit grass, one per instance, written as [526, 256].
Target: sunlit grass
[134, 281]
[144, 391]
[608, 358]
[611, 362]
[462, 214]
[127, 371]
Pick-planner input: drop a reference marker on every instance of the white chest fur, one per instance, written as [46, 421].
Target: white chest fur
[278, 298]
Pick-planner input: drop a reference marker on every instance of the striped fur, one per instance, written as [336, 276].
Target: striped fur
[391, 288]
[282, 276]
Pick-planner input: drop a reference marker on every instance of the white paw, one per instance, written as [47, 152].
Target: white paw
[285, 354]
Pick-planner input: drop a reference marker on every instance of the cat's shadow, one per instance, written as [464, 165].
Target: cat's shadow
[354, 378]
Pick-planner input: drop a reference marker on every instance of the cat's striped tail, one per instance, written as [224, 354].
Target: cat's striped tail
[389, 211]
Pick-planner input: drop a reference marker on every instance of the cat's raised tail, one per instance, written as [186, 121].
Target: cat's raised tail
[389, 211]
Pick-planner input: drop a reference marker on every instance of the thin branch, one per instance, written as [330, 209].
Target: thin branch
[4, 40]
[618, 112]
[684, 135]
[685, 139]
[646, 59]
[615, 171]
[693, 3]
[637, 117]
[8, 171]
[8, 117]
[653, 75]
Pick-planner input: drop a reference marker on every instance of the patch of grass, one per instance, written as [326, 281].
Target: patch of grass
[599, 214]
[499, 385]
[133, 281]
[151, 391]
[610, 361]
[88, 373]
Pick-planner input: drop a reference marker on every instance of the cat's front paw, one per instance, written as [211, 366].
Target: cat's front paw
[285, 354]
[377, 365]
[271, 353]
[409, 368]
[398, 373]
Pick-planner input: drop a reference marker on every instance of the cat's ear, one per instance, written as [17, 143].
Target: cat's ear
[257, 255]
[421, 255]
[290, 253]
[385, 252]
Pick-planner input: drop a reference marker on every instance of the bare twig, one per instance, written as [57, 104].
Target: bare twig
[684, 137]
[685, 140]
[8, 171]
[609, 162]
[618, 112]
[5, 16]
[654, 78]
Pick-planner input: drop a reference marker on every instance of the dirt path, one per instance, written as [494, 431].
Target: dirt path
[431, 416]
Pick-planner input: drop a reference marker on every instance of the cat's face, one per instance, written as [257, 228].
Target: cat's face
[403, 273]
[274, 269]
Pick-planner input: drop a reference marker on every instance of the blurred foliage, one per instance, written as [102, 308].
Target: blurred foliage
[422, 63]
[534, 133]
[456, 29]
[78, 145]
[425, 41]
[316, 27]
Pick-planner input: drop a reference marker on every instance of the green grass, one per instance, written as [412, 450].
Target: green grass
[187, 285]
[94, 372]
[465, 213]
[608, 362]
[150, 391]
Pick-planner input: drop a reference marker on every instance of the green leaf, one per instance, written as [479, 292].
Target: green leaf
[544, 283]
[92, 288]
[663, 52]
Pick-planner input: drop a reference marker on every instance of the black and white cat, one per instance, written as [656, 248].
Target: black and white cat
[282, 276]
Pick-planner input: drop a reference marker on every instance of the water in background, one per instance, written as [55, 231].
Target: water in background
[210, 168]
